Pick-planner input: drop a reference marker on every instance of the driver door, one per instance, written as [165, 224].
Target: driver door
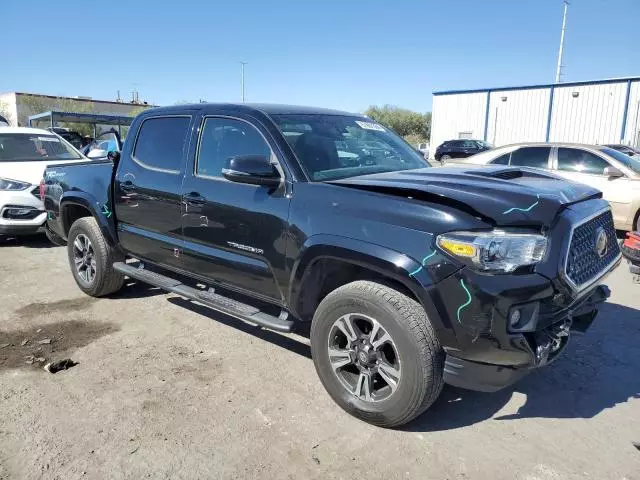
[234, 233]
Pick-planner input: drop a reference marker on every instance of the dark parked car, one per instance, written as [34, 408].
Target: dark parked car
[460, 149]
[71, 136]
[409, 276]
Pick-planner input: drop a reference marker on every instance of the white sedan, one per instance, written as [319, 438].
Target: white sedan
[24, 155]
[615, 174]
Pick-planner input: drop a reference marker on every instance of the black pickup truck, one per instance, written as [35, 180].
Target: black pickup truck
[409, 276]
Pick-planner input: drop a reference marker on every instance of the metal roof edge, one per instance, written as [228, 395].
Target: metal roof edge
[536, 86]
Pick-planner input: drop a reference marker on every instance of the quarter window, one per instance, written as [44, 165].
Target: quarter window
[161, 142]
[536, 157]
[580, 161]
[502, 159]
[224, 138]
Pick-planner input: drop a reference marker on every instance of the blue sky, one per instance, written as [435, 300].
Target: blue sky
[333, 53]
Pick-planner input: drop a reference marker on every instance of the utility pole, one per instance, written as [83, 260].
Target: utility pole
[564, 26]
[242, 80]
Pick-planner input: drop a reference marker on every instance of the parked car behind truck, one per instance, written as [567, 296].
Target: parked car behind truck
[615, 174]
[410, 276]
[24, 154]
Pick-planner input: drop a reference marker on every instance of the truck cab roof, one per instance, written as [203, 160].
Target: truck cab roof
[264, 108]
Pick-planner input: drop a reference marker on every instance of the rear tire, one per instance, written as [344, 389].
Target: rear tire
[91, 259]
[411, 352]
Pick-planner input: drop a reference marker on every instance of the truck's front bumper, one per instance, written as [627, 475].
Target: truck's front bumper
[537, 346]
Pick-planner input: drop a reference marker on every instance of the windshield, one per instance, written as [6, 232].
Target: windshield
[24, 147]
[629, 162]
[331, 147]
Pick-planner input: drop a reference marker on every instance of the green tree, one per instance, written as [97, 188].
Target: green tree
[413, 126]
[4, 111]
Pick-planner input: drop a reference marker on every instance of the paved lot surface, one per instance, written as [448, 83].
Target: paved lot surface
[162, 390]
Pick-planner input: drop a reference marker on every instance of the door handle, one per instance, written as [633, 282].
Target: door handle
[127, 186]
[194, 198]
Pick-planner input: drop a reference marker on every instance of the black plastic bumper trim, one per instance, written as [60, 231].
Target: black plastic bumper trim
[481, 377]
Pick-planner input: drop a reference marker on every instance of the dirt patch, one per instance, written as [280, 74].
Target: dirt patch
[61, 306]
[30, 349]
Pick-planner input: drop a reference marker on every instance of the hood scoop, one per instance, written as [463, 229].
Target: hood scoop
[507, 173]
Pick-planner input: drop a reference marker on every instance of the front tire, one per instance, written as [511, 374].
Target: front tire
[91, 259]
[376, 353]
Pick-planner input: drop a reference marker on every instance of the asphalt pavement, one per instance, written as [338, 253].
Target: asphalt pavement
[165, 388]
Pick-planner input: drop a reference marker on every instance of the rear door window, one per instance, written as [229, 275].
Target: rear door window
[160, 143]
[580, 161]
[535, 157]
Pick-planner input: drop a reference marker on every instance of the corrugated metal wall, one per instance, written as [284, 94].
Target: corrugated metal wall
[594, 116]
[632, 130]
[518, 116]
[584, 112]
[457, 114]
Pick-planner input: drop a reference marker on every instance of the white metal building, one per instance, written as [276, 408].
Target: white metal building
[598, 111]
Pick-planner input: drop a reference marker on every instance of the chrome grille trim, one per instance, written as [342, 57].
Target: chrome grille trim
[603, 271]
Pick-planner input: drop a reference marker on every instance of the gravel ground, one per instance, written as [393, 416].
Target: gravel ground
[167, 389]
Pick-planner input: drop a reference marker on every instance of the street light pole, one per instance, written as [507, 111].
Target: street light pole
[242, 79]
[560, 52]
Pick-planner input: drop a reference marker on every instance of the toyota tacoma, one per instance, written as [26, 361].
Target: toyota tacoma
[407, 277]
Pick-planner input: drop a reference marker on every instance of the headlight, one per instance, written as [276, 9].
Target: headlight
[6, 184]
[495, 251]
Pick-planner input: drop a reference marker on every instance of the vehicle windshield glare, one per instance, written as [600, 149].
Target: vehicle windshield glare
[631, 163]
[332, 147]
[25, 147]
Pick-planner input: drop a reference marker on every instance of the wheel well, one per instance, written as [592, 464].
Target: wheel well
[635, 220]
[71, 213]
[327, 274]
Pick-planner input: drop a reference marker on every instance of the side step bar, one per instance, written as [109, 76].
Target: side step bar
[218, 302]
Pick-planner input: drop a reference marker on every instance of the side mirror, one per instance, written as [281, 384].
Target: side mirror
[97, 153]
[114, 156]
[252, 169]
[613, 172]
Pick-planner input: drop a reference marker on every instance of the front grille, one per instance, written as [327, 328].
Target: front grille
[584, 263]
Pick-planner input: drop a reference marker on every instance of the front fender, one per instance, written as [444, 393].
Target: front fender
[383, 260]
[100, 211]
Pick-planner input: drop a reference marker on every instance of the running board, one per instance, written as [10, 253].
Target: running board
[209, 298]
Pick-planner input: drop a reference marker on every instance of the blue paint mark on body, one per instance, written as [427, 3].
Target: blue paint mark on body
[424, 260]
[105, 210]
[528, 209]
[466, 304]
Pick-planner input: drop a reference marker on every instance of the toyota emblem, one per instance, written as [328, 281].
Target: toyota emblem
[601, 242]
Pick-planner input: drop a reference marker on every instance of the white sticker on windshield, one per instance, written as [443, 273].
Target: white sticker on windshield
[370, 126]
[48, 139]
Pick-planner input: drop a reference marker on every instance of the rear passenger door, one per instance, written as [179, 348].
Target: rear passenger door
[148, 189]
[235, 233]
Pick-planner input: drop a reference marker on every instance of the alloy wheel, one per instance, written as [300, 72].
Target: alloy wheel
[84, 258]
[364, 357]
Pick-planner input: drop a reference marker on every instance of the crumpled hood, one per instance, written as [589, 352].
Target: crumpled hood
[503, 195]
